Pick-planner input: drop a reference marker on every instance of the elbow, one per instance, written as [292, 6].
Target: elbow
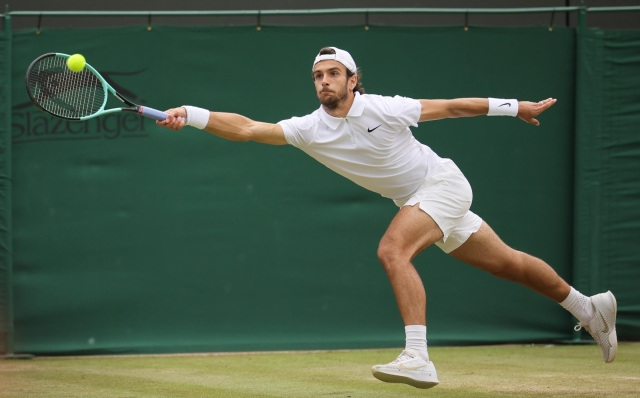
[242, 134]
[251, 132]
[456, 112]
[240, 138]
[231, 135]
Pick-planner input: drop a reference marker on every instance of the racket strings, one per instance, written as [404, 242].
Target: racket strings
[63, 92]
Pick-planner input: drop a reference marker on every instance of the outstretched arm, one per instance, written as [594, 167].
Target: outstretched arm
[230, 126]
[466, 107]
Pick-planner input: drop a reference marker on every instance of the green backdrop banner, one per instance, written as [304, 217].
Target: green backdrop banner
[6, 324]
[607, 170]
[132, 238]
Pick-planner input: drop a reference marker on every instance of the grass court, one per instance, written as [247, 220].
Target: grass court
[487, 371]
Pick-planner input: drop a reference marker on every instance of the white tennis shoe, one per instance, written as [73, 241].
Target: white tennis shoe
[602, 327]
[409, 368]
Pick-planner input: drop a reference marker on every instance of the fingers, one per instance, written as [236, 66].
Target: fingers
[175, 119]
[545, 104]
[531, 120]
[529, 110]
[174, 122]
[171, 122]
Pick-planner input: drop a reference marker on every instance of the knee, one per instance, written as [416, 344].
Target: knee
[390, 256]
[509, 267]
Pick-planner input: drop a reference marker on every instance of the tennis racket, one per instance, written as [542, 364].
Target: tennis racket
[57, 90]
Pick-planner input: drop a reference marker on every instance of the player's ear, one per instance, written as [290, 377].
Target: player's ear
[353, 80]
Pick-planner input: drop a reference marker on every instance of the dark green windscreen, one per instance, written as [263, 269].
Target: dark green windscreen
[5, 194]
[607, 232]
[132, 238]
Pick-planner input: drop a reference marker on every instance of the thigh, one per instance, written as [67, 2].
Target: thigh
[485, 250]
[411, 231]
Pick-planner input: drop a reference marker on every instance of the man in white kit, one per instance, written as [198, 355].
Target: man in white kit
[366, 138]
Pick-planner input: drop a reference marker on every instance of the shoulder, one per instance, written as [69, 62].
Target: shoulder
[299, 130]
[391, 106]
[302, 123]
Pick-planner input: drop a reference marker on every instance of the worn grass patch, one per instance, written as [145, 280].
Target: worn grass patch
[493, 371]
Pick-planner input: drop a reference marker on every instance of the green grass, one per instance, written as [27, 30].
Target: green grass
[493, 371]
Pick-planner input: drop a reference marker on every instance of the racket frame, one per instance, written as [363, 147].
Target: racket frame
[144, 111]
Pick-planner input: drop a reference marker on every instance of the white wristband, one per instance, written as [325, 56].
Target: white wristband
[503, 107]
[196, 117]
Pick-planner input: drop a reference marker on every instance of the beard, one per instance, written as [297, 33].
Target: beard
[335, 100]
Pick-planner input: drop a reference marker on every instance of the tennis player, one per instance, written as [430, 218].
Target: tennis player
[366, 138]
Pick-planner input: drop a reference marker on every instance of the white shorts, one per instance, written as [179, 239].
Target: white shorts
[446, 196]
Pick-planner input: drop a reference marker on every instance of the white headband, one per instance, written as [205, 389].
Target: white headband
[341, 56]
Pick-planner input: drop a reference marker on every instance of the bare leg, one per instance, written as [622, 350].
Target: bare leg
[410, 232]
[485, 250]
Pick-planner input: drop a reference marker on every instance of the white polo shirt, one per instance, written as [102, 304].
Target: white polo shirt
[372, 146]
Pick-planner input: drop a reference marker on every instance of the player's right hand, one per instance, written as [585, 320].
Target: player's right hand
[176, 118]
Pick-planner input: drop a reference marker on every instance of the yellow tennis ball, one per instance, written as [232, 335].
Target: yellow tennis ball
[76, 63]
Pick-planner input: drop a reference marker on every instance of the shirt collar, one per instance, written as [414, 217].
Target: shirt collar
[356, 110]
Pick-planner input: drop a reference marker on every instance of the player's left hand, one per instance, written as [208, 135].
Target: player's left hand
[527, 111]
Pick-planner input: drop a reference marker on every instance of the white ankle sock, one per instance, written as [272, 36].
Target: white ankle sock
[417, 339]
[579, 305]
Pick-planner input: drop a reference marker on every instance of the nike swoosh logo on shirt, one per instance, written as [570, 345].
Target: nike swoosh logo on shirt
[370, 130]
[506, 103]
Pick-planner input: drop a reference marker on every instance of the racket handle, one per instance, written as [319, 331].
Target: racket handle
[152, 113]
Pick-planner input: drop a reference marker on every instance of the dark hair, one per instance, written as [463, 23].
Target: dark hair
[358, 88]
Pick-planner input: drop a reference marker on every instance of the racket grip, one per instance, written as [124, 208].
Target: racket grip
[152, 113]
